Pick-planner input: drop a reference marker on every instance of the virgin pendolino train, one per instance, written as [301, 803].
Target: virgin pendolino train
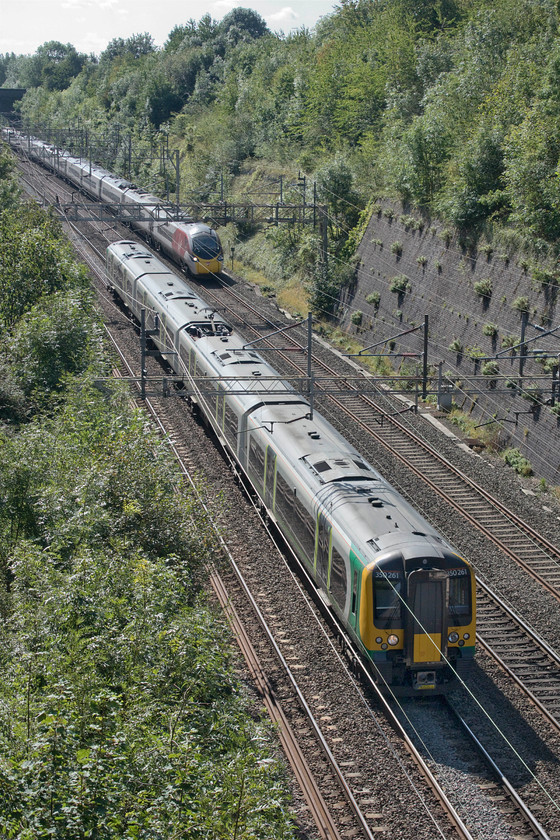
[194, 246]
[403, 594]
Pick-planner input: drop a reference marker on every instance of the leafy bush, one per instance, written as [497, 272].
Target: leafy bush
[475, 352]
[543, 277]
[408, 222]
[119, 702]
[456, 346]
[483, 287]
[374, 299]
[515, 459]
[510, 341]
[400, 284]
[35, 260]
[490, 368]
[396, 248]
[357, 317]
[521, 304]
[490, 330]
[55, 339]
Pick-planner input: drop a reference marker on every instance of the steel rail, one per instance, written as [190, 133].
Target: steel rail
[534, 638]
[320, 812]
[502, 779]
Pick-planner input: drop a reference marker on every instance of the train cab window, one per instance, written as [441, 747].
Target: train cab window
[338, 581]
[387, 590]
[205, 246]
[459, 597]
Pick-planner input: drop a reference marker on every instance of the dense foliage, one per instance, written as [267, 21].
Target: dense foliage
[120, 712]
[449, 104]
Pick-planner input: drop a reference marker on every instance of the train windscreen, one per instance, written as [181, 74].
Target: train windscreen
[205, 247]
[388, 600]
[460, 611]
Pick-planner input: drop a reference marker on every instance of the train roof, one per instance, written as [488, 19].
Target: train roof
[139, 261]
[376, 517]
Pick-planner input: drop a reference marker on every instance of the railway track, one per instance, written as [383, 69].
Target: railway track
[450, 746]
[515, 646]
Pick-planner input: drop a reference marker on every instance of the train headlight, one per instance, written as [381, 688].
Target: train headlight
[379, 640]
[393, 640]
[466, 635]
[453, 638]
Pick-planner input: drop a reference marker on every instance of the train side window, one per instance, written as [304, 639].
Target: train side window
[323, 542]
[220, 406]
[284, 502]
[231, 425]
[355, 593]
[256, 461]
[303, 527]
[290, 510]
[338, 582]
[270, 470]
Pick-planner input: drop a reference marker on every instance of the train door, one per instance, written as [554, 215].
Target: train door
[355, 597]
[322, 548]
[269, 478]
[427, 617]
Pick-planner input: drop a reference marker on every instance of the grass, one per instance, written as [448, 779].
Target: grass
[293, 297]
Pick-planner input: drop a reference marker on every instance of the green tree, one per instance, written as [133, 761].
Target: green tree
[54, 65]
[33, 261]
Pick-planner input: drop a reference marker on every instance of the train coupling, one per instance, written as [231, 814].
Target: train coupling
[424, 680]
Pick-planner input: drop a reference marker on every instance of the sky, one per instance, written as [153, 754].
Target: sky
[89, 25]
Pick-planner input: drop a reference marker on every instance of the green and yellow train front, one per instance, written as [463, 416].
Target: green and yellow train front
[417, 620]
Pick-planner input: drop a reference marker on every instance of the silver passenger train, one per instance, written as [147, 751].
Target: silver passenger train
[404, 595]
[194, 246]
